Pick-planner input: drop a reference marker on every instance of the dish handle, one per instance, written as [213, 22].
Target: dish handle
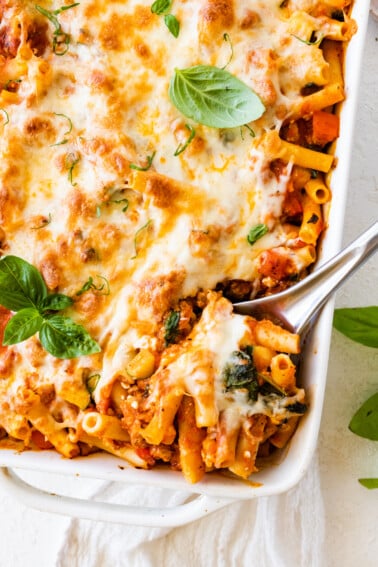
[198, 506]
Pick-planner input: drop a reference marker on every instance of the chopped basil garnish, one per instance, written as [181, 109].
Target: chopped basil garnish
[6, 116]
[136, 237]
[61, 40]
[256, 233]
[182, 147]
[226, 37]
[118, 201]
[45, 222]
[102, 288]
[313, 41]
[72, 160]
[251, 132]
[149, 160]
[70, 126]
[213, 97]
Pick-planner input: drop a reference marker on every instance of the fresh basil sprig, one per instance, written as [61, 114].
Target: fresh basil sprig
[361, 325]
[213, 97]
[23, 290]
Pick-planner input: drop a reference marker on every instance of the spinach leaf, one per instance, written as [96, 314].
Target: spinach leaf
[213, 97]
[171, 327]
[365, 421]
[297, 408]
[63, 338]
[359, 324]
[240, 372]
[22, 326]
[21, 284]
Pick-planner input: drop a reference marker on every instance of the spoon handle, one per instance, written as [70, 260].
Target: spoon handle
[297, 306]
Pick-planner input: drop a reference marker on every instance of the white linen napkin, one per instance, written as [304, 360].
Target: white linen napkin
[278, 531]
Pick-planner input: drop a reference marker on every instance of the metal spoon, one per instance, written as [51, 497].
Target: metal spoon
[296, 307]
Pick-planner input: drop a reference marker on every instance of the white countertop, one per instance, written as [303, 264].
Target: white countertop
[32, 538]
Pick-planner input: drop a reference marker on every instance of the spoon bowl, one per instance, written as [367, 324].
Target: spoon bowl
[296, 308]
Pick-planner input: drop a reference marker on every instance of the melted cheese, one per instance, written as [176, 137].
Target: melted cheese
[80, 121]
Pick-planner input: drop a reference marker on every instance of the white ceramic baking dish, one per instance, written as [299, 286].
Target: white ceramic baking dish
[216, 490]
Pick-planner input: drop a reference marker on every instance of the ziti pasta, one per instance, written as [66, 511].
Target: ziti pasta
[160, 160]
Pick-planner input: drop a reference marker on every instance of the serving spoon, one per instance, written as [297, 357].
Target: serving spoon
[296, 307]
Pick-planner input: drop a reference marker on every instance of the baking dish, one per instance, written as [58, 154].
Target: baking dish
[218, 489]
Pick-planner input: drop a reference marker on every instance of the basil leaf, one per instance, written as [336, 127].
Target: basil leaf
[172, 24]
[256, 233]
[63, 338]
[365, 421]
[56, 302]
[359, 324]
[370, 483]
[22, 326]
[213, 97]
[21, 284]
[160, 7]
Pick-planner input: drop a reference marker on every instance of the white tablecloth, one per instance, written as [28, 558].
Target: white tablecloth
[348, 513]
